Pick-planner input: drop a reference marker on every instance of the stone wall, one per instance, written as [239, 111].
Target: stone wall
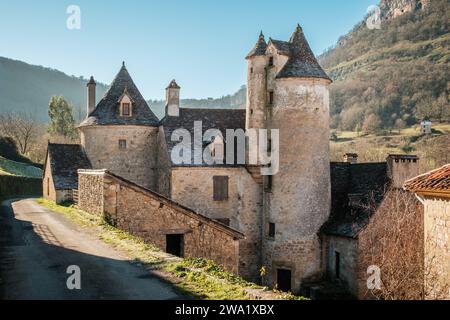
[348, 251]
[437, 247]
[242, 208]
[152, 217]
[163, 162]
[136, 163]
[90, 194]
[299, 201]
[19, 186]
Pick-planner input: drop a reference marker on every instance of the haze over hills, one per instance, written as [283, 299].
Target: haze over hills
[26, 88]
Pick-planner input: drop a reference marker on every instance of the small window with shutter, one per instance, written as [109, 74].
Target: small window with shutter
[122, 144]
[220, 188]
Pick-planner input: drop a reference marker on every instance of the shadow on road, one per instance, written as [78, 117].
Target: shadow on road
[33, 265]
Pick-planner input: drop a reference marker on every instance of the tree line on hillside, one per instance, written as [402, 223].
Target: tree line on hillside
[392, 77]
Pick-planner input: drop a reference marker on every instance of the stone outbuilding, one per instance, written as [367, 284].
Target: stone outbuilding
[60, 171]
[433, 191]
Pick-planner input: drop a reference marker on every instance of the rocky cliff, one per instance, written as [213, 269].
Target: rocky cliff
[394, 8]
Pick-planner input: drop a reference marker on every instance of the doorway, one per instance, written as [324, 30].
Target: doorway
[174, 244]
[284, 280]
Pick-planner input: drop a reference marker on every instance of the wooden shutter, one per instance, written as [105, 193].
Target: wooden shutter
[220, 188]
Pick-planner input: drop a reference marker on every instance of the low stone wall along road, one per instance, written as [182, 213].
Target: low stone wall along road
[38, 245]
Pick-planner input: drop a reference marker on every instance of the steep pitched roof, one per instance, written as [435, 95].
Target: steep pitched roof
[435, 182]
[365, 182]
[107, 110]
[173, 84]
[259, 49]
[65, 160]
[302, 62]
[220, 119]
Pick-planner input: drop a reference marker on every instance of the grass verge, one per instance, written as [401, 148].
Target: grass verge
[199, 278]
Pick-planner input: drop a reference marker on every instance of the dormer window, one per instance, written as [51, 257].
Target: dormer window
[126, 109]
[126, 104]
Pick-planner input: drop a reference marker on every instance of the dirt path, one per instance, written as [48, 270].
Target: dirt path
[37, 246]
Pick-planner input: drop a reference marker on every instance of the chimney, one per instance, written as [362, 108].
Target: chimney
[402, 168]
[173, 99]
[91, 96]
[351, 158]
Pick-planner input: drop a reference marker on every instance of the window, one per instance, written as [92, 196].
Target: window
[271, 62]
[122, 144]
[269, 182]
[251, 70]
[337, 261]
[271, 230]
[126, 109]
[220, 188]
[270, 97]
[48, 186]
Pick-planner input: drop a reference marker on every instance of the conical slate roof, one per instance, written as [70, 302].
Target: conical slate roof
[301, 63]
[259, 49]
[107, 110]
[173, 85]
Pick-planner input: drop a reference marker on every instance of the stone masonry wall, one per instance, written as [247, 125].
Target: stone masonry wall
[437, 248]
[242, 208]
[137, 162]
[151, 217]
[163, 171]
[299, 201]
[348, 252]
[90, 191]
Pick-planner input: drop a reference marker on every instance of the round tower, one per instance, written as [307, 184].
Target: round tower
[256, 85]
[297, 200]
[119, 134]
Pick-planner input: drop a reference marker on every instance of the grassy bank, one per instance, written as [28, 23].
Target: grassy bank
[19, 169]
[200, 278]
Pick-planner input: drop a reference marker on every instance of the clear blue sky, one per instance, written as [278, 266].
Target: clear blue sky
[201, 43]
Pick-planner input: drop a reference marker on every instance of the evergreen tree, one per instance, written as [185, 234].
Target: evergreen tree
[61, 119]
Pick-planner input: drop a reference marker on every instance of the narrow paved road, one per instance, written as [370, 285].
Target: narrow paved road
[38, 245]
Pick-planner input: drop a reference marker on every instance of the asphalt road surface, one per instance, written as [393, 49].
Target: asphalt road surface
[38, 245]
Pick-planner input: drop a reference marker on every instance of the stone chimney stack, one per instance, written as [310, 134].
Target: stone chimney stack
[351, 158]
[173, 99]
[90, 96]
[402, 168]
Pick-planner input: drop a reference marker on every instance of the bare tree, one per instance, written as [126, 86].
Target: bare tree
[21, 127]
[395, 241]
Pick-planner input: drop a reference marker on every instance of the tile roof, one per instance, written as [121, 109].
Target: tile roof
[364, 182]
[173, 84]
[259, 49]
[436, 181]
[301, 63]
[220, 119]
[65, 160]
[107, 110]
